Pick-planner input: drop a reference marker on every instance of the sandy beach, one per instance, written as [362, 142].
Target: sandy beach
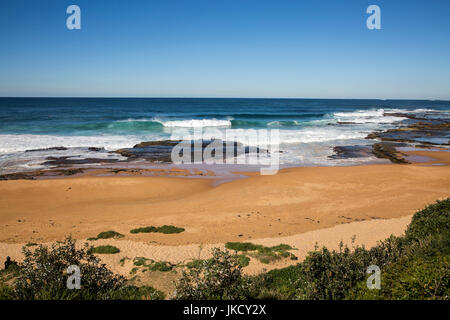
[292, 202]
[302, 207]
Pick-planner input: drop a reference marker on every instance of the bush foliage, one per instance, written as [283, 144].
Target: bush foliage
[43, 276]
[107, 235]
[163, 229]
[262, 253]
[218, 278]
[414, 266]
[104, 250]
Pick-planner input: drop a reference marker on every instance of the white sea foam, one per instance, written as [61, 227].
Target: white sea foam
[194, 123]
[188, 123]
[252, 137]
[413, 111]
[21, 142]
[367, 116]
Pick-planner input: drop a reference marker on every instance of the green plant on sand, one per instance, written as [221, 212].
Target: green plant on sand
[104, 250]
[152, 265]
[262, 253]
[167, 229]
[107, 235]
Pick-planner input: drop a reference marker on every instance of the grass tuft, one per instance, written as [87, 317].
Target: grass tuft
[263, 254]
[167, 229]
[152, 265]
[107, 235]
[104, 250]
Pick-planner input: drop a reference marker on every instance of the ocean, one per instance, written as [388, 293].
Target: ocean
[309, 128]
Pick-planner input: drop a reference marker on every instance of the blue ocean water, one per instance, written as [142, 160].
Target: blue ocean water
[305, 125]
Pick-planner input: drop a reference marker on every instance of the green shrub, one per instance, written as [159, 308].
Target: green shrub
[243, 260]
[122, 261]
[163, 229]
[242, 246]
[104, 250]
[413, 267]
[218, 278]
[194, 263]
[144, 230]
[169, 229]
[140, 261]
[282, 247]
[276, 284]
[6, 292]
[152, 265]
[134, 270]
[6, 275]
[410, 278]
[434, 219]
[43, 273]
[162, 266]
[109, 234]
[260, 252]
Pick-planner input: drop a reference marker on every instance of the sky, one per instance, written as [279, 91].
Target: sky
[226, 48]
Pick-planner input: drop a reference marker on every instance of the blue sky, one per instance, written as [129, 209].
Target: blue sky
[218, 48]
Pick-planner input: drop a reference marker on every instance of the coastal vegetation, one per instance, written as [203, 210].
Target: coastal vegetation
[262, 253]
[218, 278]
[152, 265]
[413, 266]
[107, 235]
[104, 249]
[167, 229]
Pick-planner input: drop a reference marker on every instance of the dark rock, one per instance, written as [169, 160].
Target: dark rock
[66, 161]
[161, 151]
[17, 176]
[166, 143]
[32, 175]
[388, 151]
[355, 151]
[48, 149]
[70, 172]
[432, 132]
[403, 115]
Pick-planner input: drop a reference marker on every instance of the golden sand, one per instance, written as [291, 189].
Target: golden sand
[298, 206]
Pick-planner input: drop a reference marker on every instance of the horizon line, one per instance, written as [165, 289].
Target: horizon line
[192, 97]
